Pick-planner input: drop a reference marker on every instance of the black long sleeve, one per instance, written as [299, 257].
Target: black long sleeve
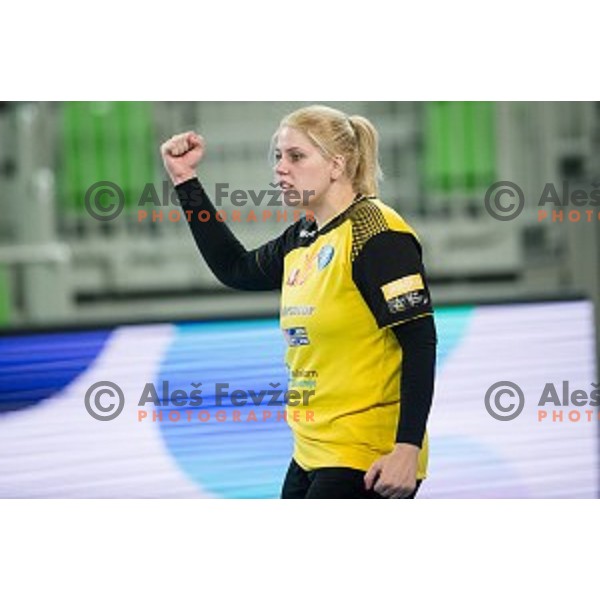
[418, 341]
[226, 257]
[390, 274]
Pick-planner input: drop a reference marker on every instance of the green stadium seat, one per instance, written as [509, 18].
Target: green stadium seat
[459, 147]
[106, 141]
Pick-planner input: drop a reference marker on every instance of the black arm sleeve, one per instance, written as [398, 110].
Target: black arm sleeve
[390, 274]
[230, 262]
[418, 341]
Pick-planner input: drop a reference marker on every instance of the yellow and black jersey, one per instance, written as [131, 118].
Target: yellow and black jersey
[346, 291]
[343, 288]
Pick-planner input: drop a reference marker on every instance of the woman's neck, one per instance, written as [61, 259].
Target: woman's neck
[336, 201]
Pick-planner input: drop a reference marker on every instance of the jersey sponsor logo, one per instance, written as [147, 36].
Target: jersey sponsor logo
[405, 293]
[325, 256]
[305, 379]
[296, 336]
[294, 277]
[402, 286]
[304, 373]
[297, 311]
[406, 301]
[307, 266]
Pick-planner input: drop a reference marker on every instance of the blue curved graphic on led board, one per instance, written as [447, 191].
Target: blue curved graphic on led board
[34, 367]
[232, 459]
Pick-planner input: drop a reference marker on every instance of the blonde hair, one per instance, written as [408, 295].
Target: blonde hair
[335, 133]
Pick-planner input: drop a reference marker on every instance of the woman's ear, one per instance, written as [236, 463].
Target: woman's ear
[338, 166]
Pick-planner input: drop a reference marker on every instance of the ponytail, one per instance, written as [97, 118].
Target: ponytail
[368, 172]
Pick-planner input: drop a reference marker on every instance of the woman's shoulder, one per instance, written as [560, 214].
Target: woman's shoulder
[374, 213]
[298, 233]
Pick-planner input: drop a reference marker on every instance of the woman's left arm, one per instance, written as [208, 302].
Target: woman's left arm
[389, 273]
[418, 341]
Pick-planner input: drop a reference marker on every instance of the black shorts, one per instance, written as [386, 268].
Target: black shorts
[328, 482]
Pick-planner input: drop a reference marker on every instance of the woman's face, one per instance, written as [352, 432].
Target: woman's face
[301, 170]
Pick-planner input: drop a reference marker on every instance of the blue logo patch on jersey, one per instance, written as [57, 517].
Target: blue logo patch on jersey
[325, 255]
[296, 336]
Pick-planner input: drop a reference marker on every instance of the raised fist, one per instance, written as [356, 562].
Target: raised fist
[181, 155]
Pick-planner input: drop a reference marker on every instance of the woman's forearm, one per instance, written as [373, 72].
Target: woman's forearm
[418, 341]
[226, 257]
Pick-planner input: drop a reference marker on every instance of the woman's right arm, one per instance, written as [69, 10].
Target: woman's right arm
[231, 263]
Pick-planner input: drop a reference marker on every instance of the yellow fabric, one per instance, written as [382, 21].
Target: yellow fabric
[339, 352]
